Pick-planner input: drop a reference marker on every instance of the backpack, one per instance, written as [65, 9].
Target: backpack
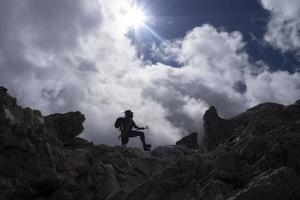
[119, 122]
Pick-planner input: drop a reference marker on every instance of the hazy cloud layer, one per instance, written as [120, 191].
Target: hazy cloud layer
[64, 55]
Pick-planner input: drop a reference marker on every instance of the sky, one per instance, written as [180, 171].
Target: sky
[86, 55]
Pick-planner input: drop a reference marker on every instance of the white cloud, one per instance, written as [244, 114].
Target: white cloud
[217, 66]
[280, 86]
[67, 55]
[213, 63]
[284, 26]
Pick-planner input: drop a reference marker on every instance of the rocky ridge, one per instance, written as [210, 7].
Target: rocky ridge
[255, 155]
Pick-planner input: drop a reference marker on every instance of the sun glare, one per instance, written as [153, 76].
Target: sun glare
[135, 17]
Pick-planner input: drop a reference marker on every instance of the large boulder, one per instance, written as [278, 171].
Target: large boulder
[190, 141]
[67, 126]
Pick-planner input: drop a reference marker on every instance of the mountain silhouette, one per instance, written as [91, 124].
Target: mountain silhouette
[254, 155]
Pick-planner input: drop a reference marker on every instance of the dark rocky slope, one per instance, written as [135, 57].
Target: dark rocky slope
[253, 156]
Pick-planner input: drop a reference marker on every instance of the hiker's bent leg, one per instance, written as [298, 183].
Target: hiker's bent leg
[142, 137]
[138, 133]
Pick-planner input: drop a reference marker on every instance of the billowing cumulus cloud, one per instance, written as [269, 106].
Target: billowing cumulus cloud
[216, 64]
[284, 26]
[213, 64]
[65, 55]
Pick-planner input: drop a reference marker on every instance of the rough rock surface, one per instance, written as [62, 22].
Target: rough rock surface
[41, 158]
[190, 141]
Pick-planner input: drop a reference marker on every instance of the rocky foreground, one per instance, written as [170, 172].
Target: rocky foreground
[253, 156]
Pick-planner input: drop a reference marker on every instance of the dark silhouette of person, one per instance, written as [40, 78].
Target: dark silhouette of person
[127, 125]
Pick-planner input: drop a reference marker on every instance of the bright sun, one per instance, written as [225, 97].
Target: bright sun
[135, 17]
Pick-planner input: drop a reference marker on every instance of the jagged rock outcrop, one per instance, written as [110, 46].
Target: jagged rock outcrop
[6, 100]
[215, 128]
[190, 141]
[67, 126]
[42, 158]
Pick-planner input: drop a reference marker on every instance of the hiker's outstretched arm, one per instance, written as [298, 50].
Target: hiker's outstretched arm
[138, 128]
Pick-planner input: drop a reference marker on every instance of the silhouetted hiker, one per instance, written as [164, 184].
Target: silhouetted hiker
[126, 125]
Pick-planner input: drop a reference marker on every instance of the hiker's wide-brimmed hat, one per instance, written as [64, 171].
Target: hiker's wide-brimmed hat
[128, 112]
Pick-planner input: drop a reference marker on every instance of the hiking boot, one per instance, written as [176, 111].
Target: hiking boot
[147, 147]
